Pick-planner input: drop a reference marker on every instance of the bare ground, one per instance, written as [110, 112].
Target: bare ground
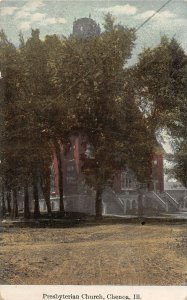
[107, 254]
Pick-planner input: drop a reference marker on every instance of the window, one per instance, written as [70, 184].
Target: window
[127, 181]
[70, 179]
[70, 168]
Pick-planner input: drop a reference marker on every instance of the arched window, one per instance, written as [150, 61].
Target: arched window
[127, 180]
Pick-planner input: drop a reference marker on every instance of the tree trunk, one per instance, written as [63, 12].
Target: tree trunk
[60, 177]
[47, 201]
[46, 188]
[36, 197]
[15, 205]
[98, 203]
[26, 203]
[9, 202]
[3, 202]
[150, 185]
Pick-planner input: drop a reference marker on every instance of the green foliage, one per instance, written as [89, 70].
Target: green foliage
[109, 22]
[10, 106]
[179, 133]
[179, 170]
[88, 79]
[55, 88]
[160, 82]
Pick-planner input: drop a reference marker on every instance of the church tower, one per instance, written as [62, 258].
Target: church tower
[85, 28]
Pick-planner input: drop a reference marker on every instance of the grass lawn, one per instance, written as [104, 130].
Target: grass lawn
[125, 254]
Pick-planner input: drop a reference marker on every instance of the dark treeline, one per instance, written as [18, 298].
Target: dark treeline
[53, 88]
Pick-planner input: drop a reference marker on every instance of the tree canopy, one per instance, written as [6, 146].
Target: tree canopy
[54, 88]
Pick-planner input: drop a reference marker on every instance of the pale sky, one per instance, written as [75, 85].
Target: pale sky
[57, 16]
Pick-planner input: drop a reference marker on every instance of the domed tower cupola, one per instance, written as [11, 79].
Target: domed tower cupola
[86, 28]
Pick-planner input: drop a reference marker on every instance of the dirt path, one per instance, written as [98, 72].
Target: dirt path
[107, 254]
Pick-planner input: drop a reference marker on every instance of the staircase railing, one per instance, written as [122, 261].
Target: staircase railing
[161, 201]
[120, 201]
[174, 201]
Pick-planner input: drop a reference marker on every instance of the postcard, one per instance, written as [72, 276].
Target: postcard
[93, 184]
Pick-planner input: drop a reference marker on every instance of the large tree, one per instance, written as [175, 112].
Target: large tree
[24, 146]
[159, 84]
[179, 132]
[36, 92]
[10, 120]
[101, 105]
